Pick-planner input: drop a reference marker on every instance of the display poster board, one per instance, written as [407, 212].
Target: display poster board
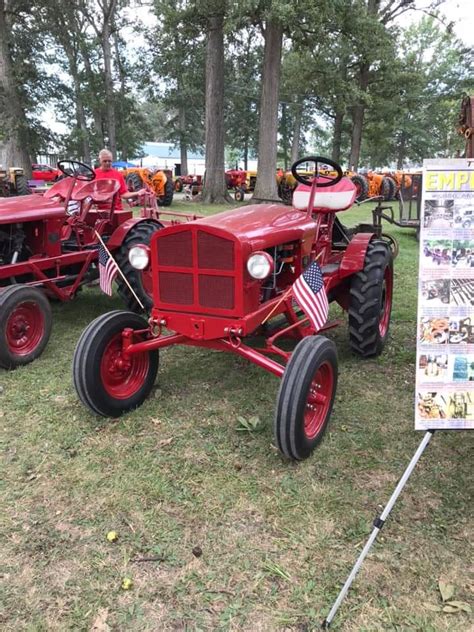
[445, 321]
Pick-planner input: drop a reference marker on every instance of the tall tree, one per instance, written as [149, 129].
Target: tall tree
[266, 186]
[215, 189]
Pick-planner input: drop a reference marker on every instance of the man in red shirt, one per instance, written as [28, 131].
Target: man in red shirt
[105, 171]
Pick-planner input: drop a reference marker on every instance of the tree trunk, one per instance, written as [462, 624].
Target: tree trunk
[266, 186]
[215, 190]
[401, 151]
[109, 88]
[13, 124]
[295, 143]
[358, 112]
[96, 112]
[183, 146]
[337, 137]
[80, 115]
[246, 152]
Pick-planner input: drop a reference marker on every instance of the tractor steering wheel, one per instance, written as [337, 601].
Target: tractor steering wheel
[318, 160]
[77, 170]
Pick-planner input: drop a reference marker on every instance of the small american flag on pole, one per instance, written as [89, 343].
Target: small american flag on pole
[107, 269]
[309, 293]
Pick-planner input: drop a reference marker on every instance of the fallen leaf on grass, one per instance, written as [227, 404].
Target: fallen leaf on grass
[461, 605]
[164, 442]
[433, 607]
[450, 609]
[100, 624]
[446, 590]
[250, 425]
[157, 422]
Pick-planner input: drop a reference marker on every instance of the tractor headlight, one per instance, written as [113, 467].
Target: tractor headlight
[260, 265]
[139, 257]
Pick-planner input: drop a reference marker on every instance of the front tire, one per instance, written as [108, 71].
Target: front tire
[239, 195]
[106, 381]
[21, 186]
[140, 280]
[370, 305]
[306, 396]
[25, 325]
[362, 187]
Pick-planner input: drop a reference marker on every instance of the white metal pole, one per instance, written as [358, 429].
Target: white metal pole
[378, 524]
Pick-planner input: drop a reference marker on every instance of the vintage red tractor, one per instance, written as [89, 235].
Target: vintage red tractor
[220, 280]
[49, 248]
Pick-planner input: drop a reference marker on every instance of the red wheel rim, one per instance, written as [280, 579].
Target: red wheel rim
[386, 304]
[25, 328]
[122, 376]
[318, 400]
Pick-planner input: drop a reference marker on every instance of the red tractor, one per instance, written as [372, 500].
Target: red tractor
[49, 247]
[236, 179]
[225, 282]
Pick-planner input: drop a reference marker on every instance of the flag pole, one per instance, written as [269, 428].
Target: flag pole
[120, 271]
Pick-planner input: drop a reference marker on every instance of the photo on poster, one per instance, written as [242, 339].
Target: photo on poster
[462, 292]
[463, 368]
[438, 214]
[460, 405]
[433, 331]
[435, 292]
[464, 214]
[463, 254]
[432, 405]
[436, 252]
[433, 367]
[461, 331]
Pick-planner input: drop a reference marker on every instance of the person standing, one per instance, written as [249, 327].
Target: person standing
[106, 171]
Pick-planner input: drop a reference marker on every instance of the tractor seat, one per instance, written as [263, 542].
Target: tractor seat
[338, 197]
[98, 190]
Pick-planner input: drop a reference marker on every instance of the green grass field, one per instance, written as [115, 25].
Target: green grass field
[277, 538]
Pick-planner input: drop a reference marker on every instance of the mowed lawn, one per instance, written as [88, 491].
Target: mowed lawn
[216, 531]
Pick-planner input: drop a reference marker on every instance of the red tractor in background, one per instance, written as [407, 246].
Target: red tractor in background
[225, 282]
[49, 247]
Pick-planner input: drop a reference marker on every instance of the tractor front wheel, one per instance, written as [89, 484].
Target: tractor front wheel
[239, 195]
[25, 325]
[108, 381]
[140, 280]
[306, 396]
[371, 301]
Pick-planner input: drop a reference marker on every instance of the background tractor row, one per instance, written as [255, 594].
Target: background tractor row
[159, 181]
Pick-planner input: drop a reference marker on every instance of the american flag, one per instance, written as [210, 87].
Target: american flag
[309, 293]
[107, 269]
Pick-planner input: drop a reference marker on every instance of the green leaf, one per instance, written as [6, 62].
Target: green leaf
[462, 605]
[450, 609]
[446, 590]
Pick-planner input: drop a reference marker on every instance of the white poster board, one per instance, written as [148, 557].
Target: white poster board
[445, 321]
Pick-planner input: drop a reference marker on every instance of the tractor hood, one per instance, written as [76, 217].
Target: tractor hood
[29, 208]
[262, 225]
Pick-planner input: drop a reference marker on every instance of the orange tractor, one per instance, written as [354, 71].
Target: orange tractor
[160, 181]
[382, 185]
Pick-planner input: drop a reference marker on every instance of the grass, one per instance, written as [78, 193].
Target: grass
[183, 471]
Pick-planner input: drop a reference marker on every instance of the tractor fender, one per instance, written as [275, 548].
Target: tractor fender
[122, 231]
[354, 256]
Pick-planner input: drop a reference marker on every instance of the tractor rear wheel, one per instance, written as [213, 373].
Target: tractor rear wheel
[371, 301]
[362, 187]
[140, 280]
[25, 325]
[134, 182]
[392, 188]
[306, 396]
[108, 382]
[21, 186]
[167, 198]
[386, 188]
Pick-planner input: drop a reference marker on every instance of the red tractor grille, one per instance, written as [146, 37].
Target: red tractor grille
[176, 250]
[196, 271]
[214, 252]
[215, 291]
[176, 287]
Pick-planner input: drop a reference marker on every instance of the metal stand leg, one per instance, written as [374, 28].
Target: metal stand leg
[378, 524]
